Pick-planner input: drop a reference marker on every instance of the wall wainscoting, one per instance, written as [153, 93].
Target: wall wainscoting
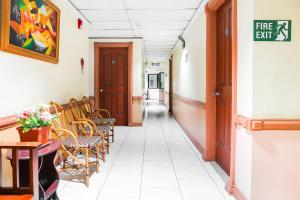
[137, 113]
[190, 115]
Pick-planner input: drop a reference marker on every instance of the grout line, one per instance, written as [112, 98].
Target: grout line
[131, 9]
[79, 12]
[145, 132]
[109, 171]
[187, 25]
[183, 134]
[163, 132]
[128, 17]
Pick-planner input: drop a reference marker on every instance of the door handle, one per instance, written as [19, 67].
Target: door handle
[101, 90]
[217, 93]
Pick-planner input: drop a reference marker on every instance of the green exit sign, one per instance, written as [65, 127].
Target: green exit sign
[273, 30]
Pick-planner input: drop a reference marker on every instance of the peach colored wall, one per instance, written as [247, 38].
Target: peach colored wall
[137, 111]
[276, 164]
[243, 162]
[191, 117]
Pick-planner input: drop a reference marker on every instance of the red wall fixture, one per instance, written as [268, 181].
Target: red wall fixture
[80, 23]
[82, 65]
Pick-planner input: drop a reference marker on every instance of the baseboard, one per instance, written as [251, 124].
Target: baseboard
[135, 124]
[234, 191]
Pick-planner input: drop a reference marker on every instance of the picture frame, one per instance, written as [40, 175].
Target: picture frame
[30, 28]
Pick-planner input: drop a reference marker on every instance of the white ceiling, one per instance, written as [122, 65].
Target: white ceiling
[158, 22]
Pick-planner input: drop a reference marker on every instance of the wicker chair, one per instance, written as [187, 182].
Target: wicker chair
[75, 142]
[96, 115]
[100, 130]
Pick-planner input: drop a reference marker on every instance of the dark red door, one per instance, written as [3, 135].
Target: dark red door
[224, 83]
[114, 83]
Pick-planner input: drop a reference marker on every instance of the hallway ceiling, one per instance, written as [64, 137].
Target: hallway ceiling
[158, 22]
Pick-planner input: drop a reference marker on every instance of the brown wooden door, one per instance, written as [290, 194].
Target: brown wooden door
[113, 82]
[224, 83]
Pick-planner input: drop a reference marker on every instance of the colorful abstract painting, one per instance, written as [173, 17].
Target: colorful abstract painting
[33, 26]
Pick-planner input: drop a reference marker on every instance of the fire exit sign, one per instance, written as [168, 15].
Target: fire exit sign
[273, 30]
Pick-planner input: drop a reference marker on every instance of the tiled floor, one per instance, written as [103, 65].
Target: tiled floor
[153, 162]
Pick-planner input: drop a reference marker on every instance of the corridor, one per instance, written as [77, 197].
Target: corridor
[153, 162]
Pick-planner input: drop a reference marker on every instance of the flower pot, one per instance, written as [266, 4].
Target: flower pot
[35, 135]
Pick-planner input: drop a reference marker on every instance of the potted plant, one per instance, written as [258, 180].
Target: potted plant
[35, 124]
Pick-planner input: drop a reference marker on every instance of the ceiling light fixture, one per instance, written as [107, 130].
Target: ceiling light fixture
[182, 40]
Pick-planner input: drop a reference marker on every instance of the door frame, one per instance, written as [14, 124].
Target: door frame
[97, 47]
[211, 9]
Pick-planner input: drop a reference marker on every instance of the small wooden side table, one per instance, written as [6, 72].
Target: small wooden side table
[48, 176]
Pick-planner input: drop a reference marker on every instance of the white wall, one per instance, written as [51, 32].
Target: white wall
[138, 62]
[25, 82]
[245, 58]
[276, 65]
[189, 78]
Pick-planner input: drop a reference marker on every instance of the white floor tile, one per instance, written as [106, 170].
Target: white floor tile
[121, 189]
[199, 188]
[71, 193]
[160, 194]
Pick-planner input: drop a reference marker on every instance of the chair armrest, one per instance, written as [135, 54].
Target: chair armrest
[65, 132]
[84, 123]
[91, 123]
[95, 114]
[103, 111]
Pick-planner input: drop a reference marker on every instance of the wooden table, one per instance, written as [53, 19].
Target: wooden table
[48, 176]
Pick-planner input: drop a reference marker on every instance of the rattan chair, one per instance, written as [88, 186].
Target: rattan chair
[76, 142]
[96, 115]
[100, 130]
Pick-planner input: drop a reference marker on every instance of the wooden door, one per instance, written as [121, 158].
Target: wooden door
[113, 82]
[224, 84]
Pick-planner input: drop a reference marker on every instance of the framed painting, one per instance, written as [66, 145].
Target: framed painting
[31, 28]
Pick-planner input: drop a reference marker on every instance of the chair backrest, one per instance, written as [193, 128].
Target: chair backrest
[87, 106]
[76, 109]
[62, 122]
[60, 112]
[33, 188]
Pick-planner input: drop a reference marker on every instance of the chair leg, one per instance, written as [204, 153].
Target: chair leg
[87, 167]
[103, 146]
[113, 133]
[64, 160]
[97, 158]
[107, 141]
